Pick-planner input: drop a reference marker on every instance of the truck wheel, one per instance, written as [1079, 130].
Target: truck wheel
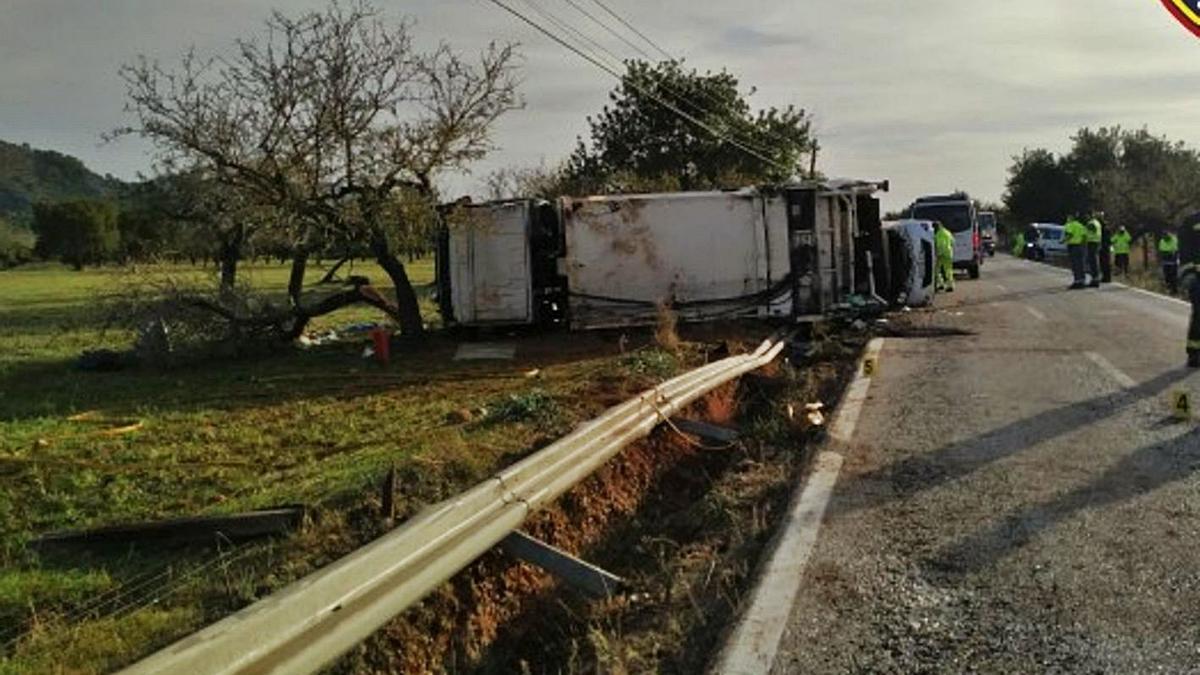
[973, 270]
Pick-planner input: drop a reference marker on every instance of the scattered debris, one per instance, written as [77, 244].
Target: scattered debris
[105, 360]
[318, 339]
[382, 340]
[706, 431]
[153, 343]
[350, 331]
[360, 328]
[486, 351]
[113, 426]
[200, 530]
[814, 414]
[387, 501]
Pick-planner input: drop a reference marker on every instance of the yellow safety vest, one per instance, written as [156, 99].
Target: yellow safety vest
[1095, 231]
[1168, 244]
[1121, 241]
[1075, 233]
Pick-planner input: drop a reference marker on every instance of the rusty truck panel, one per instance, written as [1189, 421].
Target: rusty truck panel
[705, 254]
[797, 252]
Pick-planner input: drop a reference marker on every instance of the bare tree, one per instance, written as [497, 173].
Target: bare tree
[335, 121]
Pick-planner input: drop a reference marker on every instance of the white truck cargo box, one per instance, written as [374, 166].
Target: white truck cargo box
[707, 254]
[489, 264]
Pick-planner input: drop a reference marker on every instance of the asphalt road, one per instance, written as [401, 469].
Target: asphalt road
[1016, 499]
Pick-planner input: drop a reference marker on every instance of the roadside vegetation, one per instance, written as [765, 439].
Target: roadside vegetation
[321, 427]
[1132, 177]
[295, 196]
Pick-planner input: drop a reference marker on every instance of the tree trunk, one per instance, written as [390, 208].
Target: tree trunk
[231, 253]
[408, 310]
[296, 279]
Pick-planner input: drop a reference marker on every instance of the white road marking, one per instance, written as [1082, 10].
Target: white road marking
[842, 429]
[1114, 372]
[752, 646]
[1152, 294]
[1037, 314]
[1002, 287]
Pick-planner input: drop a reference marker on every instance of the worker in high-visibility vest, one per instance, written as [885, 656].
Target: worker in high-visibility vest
[1018, 248]
[1106, 260]
[1168, 257]
[1122, 241]
[1189, 253]
[1075, 235]
[1095, 236]
[943, 244]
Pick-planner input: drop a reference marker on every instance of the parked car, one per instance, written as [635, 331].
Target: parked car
[987, 232]
[1045, 240]
[957, 213]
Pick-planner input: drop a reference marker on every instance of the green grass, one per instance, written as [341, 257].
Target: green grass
[320, 427]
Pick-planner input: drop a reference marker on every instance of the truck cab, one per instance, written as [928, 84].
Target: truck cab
[957, 212]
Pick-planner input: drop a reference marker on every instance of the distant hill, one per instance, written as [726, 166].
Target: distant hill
[28, 175]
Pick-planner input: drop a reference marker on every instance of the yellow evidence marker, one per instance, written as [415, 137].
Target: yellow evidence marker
[1181, 405]
[870, 366]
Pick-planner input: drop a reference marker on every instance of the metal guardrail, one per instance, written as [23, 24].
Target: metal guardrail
[320, 617]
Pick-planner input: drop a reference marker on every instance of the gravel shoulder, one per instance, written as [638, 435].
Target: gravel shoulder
[1008, 503]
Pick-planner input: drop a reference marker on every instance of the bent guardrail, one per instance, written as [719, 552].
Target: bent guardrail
[320, 617]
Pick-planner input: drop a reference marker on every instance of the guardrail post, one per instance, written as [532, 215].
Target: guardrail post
[581, 574]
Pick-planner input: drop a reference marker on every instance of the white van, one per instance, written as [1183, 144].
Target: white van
[1049, 243]
[957, 213]
[908, 250]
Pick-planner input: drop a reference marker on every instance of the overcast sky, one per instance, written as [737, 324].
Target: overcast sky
[933, 94]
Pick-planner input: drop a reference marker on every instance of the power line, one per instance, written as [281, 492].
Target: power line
[712, 98]
[597, 61]
[637, 32]
[610, 30]
[596, 48]
[727, 119]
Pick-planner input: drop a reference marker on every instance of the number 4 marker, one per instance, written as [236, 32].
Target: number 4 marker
[1181, 405]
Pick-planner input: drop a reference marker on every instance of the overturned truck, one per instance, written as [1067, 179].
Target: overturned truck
[794, 253]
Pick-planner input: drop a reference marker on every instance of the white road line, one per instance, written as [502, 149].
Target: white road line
[842, 429]
[1152, 294]
[1114, 372]
[752, 646]
[1037, 314]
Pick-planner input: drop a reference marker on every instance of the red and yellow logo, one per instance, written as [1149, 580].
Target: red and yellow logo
[1187, 11]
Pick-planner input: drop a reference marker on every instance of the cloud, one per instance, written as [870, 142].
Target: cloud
[933, 94]
[748, 37]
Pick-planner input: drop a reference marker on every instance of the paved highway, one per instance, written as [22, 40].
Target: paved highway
[1016, 498]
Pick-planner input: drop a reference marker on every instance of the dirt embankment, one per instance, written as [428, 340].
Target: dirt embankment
[682, 522]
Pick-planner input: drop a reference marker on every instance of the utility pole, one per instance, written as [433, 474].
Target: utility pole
[812, 160]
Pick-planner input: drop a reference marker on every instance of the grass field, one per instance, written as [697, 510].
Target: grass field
[319, 427]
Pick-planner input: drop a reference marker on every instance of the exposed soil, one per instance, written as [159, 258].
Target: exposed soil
[683, 524]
